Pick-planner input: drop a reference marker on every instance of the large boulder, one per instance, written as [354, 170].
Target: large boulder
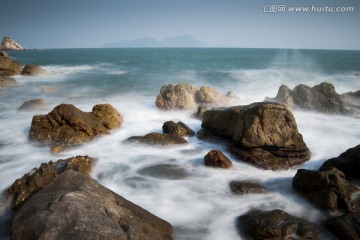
[276, 225]
[348, 162]
[6, 82]
[32, 69]
[346, 226]
[264, 134]
[326, 189]
[26, 186]
[179, 129]
[8, 67]
[157, 139]
[74, 206]
[322, 98]
[68, 125]
[215, 158]
[189, 96]
[34, 104]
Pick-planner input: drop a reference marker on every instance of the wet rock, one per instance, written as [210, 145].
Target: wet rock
[26, 186]
[165, 171]
[68, 125]
[346, 226]
[34, 104]
[8, 67]
[264, 134]
[215, 158]
[157, 139]
[245, 187]
[32, 69]
[200, 111]
[6, 82]
[348, 162]
[178, 129]
[276, 225]
[74, 206]
[322, 98]
[209, 136]
[325, 189]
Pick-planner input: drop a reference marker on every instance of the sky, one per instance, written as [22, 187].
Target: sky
[218, 23]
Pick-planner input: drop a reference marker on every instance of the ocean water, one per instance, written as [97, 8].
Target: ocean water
[195, 199]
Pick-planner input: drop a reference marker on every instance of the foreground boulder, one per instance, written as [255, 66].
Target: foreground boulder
[276, 225]
[68, 125]
[179, 129]
[6, 82]
[264, 134]
[189, 96]
[26, 186]
[325, 189]
[32, 69]
[322, 98]
[74, 206]
[8, 67]
[348, 162]
[215, 158]
[34, 104]
[157, 139]
[346, 226]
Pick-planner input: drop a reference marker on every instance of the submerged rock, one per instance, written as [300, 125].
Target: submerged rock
[276, 225]
[157, 139]
[68, 125]
[34, 104]
[9, 44]
[346, 226]
[74, 206]
[179, 129]
[26, 186]
[6, 82]
[264, 134]
[32, 69]
[165, 171]
[8, 67]
[245, 187]
[215, 158]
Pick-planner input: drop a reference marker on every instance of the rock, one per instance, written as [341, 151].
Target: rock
[9, 44]
[74, 206]
[215, 158]
[245, 187]
[179, 129]
[346, 226]
[68, 125]
[200, 111]
[264, 134]
[208, 136]
[6, 82]
[31, 69]
[348, 162]
[325, 189]
[322, 98]
[189, 96]
[35, 104]
[8, 67]
[26, 186]
[276, 225]
[48, 89]
[157, 139]
[165, 171]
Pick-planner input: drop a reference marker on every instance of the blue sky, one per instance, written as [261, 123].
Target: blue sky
[219, 23]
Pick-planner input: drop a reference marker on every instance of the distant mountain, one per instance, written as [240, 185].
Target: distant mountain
[9, 44]
[176, 41]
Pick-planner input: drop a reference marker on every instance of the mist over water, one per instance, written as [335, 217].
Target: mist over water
[172, 182]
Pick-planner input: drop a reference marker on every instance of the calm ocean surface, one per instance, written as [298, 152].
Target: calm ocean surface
[201, 205]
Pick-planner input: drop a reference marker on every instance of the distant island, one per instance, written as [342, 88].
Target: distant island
[176, 41]
[9, 44]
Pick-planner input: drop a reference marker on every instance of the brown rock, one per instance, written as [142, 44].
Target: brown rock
[157, 139]
[7, 66]
[345, 226]
[32, 69]
[34, 104]
[179, 129]
[6, 82]
[48, 89]
[245, 187]
[215, 158]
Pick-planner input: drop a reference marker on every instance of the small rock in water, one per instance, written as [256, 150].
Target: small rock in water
[157, 139]
[48, 89]
[178, 129]
[6, 82]
[34, 104]
[165, 171]
[245, 187]
[215, 158]
[32, 69]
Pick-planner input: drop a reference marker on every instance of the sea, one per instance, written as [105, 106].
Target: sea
[172, 182]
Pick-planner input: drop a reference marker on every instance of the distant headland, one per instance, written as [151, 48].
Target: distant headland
[8, 44]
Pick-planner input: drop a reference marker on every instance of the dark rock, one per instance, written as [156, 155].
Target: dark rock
[215, 158]
[325, 189]
[165, 171]
[264, 134]
[346, 226]
[34, 104]
[31, 69]
[6, 82]
[245, 187]
[276, 225]
[179, 129]
[348, 162]
[209, 136]
[26, 186]
[7, 66]
[74, 206]
[157, 139]
[68, 125]
[200, 111]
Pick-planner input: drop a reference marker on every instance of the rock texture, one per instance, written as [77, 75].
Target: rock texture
[264, 134]
[215, 158]
[322, 98]
[346, 226]
[276, 225]
[68, 125]
[348, 162]
[189, 96]
[34, 104]
[6, 82]
[33, 70]
[157, 139]
[26, 186]
[74, 206]
[179, 129]
[325, 189]
[8, 67]
[9, 44]
[245, 187]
